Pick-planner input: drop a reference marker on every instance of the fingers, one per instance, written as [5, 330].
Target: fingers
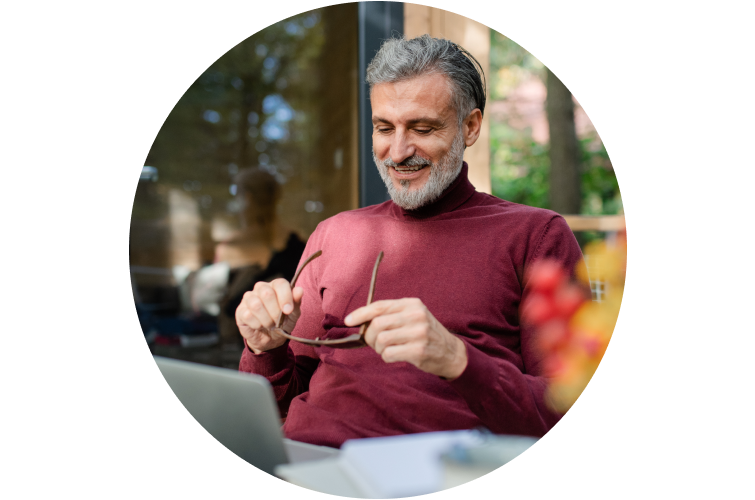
[298, 293]
[409, 325]
[378, 308]
[381, 340]
[366, 313]
[410, 353]
[252, 314]
[405, 331]
[261, 307]
[282, 298]
[446, 358]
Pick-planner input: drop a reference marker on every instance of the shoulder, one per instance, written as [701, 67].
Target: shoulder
[525, 216]
[539, 232]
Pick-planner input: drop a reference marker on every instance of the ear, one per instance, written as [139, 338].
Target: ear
[471, 127]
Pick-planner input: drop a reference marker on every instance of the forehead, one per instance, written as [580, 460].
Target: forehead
[429, 94]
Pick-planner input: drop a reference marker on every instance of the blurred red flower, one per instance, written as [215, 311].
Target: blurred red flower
[572, 331]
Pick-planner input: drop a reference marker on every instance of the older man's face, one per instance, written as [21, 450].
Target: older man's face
[415, 130]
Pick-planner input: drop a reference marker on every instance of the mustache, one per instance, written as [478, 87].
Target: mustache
[412, 161]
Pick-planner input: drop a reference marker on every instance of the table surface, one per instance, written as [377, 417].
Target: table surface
[326, 476]
[333, 476]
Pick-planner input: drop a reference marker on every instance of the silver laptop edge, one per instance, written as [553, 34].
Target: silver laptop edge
[238, 409]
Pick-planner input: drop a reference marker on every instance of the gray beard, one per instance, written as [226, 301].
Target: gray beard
[442, 174]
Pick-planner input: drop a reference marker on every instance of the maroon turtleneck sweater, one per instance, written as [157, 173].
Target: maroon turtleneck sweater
[465, 256]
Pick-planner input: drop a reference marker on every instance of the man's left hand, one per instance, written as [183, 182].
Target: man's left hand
[405, 330]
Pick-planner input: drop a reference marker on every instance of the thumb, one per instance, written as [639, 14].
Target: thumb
[297, 293]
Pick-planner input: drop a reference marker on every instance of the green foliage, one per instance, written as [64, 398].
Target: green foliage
[600, 189]
[510, 64]
[520, 166]
[520, 169]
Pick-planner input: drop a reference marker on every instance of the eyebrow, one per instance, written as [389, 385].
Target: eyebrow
[424, 119]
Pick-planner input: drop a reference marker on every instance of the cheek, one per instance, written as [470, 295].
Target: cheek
[380, 144]
[431, 149]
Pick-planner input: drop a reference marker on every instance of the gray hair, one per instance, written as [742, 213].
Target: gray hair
[400, 59]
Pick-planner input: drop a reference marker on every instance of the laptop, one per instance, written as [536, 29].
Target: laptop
[239, 410]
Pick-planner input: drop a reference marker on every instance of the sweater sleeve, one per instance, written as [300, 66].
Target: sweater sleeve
[507, 399]
[290, 366]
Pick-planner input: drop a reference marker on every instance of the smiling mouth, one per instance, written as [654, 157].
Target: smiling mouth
[407, 170]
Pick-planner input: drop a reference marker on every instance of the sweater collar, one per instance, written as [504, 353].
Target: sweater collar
[457, 193]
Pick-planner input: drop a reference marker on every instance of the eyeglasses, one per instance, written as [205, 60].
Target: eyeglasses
[352, 341]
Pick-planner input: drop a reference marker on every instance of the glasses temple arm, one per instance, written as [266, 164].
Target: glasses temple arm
[312, 257]
[371, 294]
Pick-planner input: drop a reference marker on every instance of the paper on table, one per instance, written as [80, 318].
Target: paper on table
[326, 476]
[401, 466]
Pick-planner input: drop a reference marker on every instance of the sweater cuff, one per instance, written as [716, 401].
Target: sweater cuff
[480, 370]
[267, 363]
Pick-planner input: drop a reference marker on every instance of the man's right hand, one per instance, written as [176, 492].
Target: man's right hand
[259, 309]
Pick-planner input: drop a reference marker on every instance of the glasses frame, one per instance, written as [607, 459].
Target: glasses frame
[353, 341]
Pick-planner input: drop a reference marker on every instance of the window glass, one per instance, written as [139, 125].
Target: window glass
[259, 150]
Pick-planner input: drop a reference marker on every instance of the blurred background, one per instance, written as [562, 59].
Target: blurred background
[275, 137]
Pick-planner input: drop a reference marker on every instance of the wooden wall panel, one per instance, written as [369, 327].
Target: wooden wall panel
[475, 37]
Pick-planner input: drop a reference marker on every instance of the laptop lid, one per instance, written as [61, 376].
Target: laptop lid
[237, 409]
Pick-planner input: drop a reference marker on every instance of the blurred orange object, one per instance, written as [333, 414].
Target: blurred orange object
[573, 333]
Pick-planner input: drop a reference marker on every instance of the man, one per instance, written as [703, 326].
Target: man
[446, 349]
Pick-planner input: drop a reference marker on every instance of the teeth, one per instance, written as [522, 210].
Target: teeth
[408, 169]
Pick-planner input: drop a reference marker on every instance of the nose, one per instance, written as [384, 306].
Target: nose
[401, 147]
